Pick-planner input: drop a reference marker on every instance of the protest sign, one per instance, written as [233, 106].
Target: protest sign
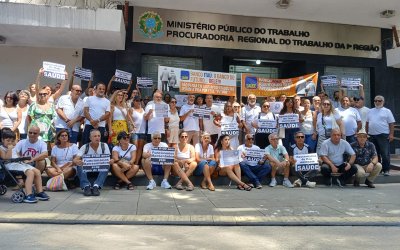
[144, 82]
[96, 163]
[254, 155]
[123, 77]
[350, 83]
[160, 110]
[306, 162]
[329, 80]
[161, 156]
[275, 107]
[54, 70]
[231, 128]
[220, 105]
[202, 112]
[181, 100]
[266, 126]
[84, 74]
[229, 158]
[288, 121]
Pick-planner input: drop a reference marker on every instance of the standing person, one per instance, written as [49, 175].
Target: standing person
[119, 116]
[164, 77]
[297, 103]
[10, 115]
[23, 106]
[208, 124]
[282, 98]
[138, 136]
[260, 137]
[326, 120]
[307, 125]
[154, 124]
[233, 172]
[190, 123]
[316, 106]
[167, 98]
[41, 114]
[53, 95]
[32, 93]
[380, 127]
[96, 111]
[173, 124]
[289, 108]
[70, 113]
[205, 159]
[229, 116]
[362, 110]
[351, 119]
[250, 113]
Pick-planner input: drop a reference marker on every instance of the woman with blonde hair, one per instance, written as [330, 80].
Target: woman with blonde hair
[206, 164]
[185, 160]
[119, 116]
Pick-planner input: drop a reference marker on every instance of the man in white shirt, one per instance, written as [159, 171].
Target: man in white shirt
[209, 125]
[96, 110]
[380, 127]
[351, 119]
[362, 110]
[154, 124]
[190, 123]
[70, 113]
[250, 113]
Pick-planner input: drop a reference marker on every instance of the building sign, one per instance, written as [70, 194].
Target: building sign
[253, 33]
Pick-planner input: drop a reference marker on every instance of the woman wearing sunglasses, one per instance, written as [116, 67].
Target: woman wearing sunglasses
[184, 160]
[205, 159]
[261, 135]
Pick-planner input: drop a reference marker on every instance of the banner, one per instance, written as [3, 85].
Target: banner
[96, 163]
[288, 121]
[202, 112]
[254, 155]
[229, 158]
[329, 81]
[351, 83]
[262, 87]
[122, 76]
[306, 162]
[83, 74]
[144, 82]
[161, 110]
[266, 126]
[54, 70]
[196, 81]
[229, 128]
[161, 156]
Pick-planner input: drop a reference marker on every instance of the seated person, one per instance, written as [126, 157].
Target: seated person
[185, 158]
[32, 174]
[205, 159]
[279, 160]
[296, 149]
[150, 168]
[94, 147]
[366, 159]
[33, 147]
[332, 154]
[124, 156]
[254, 170]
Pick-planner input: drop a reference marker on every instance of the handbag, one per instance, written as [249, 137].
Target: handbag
[56, 183]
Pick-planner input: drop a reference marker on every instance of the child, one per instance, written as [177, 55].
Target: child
[32, 174]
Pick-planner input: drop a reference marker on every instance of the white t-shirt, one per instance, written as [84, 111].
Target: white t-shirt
[190, 123]
[125, 153]
[350, 117]
[22, 125]
[363, 113]
[149, 146]
[378, 121]
[138, 121]
[91, 151]
[242, 149]
[26, 148]
[329, 122]
[204, 155]
[64, 155]
[209, 125]
[155, 124]
[71, 111]
[98, 106]
[249, 114]
[335, 152]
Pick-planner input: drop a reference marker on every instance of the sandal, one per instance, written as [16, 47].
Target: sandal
[179, 186]
[130, 186]
[240, 187]
[244, 186]
[203, 185]
[117, 186]
[211, 187]
[190, 187]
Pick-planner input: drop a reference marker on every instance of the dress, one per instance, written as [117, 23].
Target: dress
[44, 120]
[118, 124]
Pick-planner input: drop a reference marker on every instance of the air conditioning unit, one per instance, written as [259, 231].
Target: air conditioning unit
[388, 13]
[283, 4]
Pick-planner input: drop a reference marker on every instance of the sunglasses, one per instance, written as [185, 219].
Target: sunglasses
[78, 90]
[326, 104]
[33, 133]
[301, 137]
[65, 135]
[42, 94]
[274, 139]
[9, 97]
[124, 138]
[157, 138]
[265, 106]
[250, 139]
[184, 136]
[378, 100]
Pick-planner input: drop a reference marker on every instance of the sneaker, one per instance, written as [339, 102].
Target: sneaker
[87, 191]
[287, 183]
[95, 191]
[339, 182]
[369, 183]
[258, 185]
[297, 183]
[165, 184]
[272, 183]
[311, 184]
[386, 173]
[30, 199]
[42, 196]
[152, 185]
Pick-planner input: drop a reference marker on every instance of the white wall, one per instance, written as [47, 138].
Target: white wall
[19, 65]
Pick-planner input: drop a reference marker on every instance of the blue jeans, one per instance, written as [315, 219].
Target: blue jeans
[382, 146]
[73, 135]
[200, 167]
[312, 144]
[86, 134]
[255, 173]
[84, 181]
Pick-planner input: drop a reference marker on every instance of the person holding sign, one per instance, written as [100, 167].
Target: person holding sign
[185, 160]
[300, 148]
[263, 125]
[252, 163]
[94, 148]
[351, 119]
[119, 116]
[52, 95]
[190, 123]
[206, 163]
[307, 125]
[154, 124]
[172, 130]
[124, 156]
[250, 113]
[292, 127]
[232, 171]
[208, 125]
[231, 124]
[150, 168]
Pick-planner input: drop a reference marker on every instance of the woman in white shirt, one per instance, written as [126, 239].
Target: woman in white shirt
[229, 116]
[118, 120]
[206, 163]
[173, 124]
[23, 106]
[184, 160]
[10, 116]
[124, 156]
[261, 136]
[307, 126]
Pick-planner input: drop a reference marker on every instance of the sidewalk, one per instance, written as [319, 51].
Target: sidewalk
[226, 206]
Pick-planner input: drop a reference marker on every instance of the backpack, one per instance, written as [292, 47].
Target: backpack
[103, 148]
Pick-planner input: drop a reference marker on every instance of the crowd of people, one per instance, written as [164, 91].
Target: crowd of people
[349, 138]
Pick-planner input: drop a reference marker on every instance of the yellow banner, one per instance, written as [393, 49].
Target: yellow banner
[261, 87]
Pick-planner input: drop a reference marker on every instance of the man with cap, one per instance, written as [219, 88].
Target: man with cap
[366, 160]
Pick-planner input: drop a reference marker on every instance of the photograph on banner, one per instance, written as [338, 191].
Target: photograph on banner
[196, 81]
[202, 112]
[83, 74]
[351, 83]
[181, 100]
[276, 107]
[54, 70]
[96, 163]
[266, 126]
[254, 155]
[161, 156]
[329, 81]
[161, 110]
[306, 162]
[229, 158]
[229, 128]
[288, 121]
[144, 82]
[122, 76]
[263, 87]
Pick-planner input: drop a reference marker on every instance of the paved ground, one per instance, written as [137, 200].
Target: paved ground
[225, 206]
